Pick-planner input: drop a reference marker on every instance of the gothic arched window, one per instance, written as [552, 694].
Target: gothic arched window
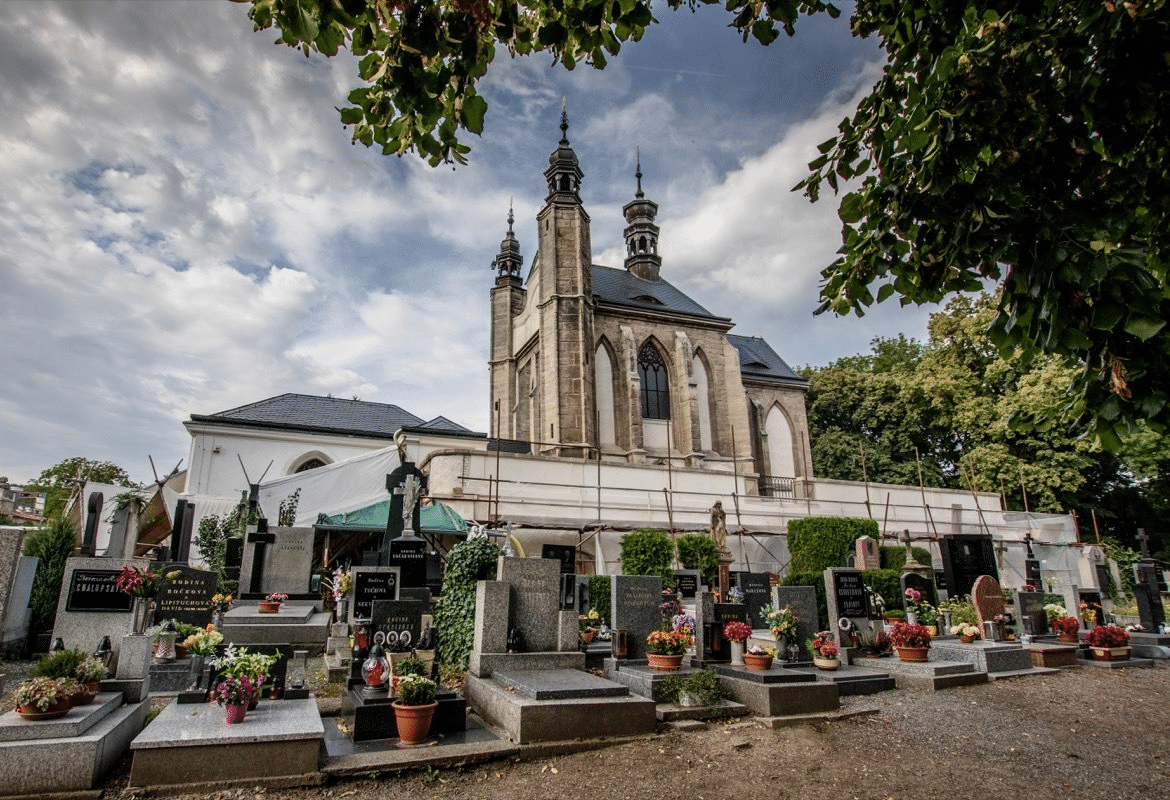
[655, 389]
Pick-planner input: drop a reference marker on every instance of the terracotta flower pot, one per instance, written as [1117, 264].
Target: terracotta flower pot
[916, 654]
[664, 662]
[33, 712]
[234, 713]
[587, 636]
[757, 663]
[1068, 638]
[85, 694]
[414, 722]
[966, 639]
[268, 607]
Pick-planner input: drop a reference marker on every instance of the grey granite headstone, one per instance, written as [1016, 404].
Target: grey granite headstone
[846, 597]
[757, 593]
[491, 617]
[397, 623]
[16, 610]
[987, 598]
[10, 539]
[288, 562]
[866, 554]
[803, 600]
[1030, 610]
[535, 600]
[188, 598]
[635, 600]
[86, 614]
[368, 584]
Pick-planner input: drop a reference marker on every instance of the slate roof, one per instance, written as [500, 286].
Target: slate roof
[758, 361]
[620, 287]
[329, 415]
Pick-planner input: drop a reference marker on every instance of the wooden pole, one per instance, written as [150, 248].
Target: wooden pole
[1096, 530]
[886, 516]
[922, 489]
[1024, 489]
[865, 478]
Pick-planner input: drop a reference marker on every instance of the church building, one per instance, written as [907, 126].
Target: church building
[589, 359]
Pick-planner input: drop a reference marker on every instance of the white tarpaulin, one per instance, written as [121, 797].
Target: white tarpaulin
[333, 489]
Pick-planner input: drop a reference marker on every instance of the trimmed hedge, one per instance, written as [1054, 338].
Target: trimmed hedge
[887, 583]
[895, 557]
[817, 581]
[698, 551]
[599, 592]
[646, 552]
[817, 543]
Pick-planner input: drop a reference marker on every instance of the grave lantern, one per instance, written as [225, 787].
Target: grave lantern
[166, 642]
[58, 645]
[104, 652]
[375, 671]
[297, 669]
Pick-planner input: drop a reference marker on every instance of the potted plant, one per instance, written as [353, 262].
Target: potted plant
[220, 603]
[1089, 614]
[966, 632]
[1055, 611]
[824, 651]
[737, 633]
[235, 694]
[928, 616]
[1067, 629]
[237, 662]
[414, 707]
[409, 666]
[271, 603]
[913, 604]
[700, 688]
[894, 616]
[74, 664]
[44, 698]
[759, 658]
[665, 649]
[1108, 643]
[912, 641]
[89, 675]
[875, 643]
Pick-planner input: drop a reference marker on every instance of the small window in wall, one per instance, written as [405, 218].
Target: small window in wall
[312, 463]
[655, 389]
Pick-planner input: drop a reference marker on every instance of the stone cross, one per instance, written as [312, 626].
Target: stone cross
[1028, 544]
[1144, 538]
[911, 562]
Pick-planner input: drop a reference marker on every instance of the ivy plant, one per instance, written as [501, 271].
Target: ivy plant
[468, 562]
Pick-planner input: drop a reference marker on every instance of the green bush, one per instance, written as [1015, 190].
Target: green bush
[698, 551]
[51, 545]
[887, 583]
[895, 557]
[599, 591]
[648, 553]
[817, 581]
[817, 543]
[468, 562]
[62, 664]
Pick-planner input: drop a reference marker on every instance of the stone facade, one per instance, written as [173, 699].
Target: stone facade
[566, 344]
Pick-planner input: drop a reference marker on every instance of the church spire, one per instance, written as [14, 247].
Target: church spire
[641, 233]
[563, 173]
[508, 262]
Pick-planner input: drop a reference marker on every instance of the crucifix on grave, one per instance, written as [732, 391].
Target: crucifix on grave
[912, 564]
[1144, 538]
[402, 546]
[1031, 563]
[1000, 549]
[260, 539]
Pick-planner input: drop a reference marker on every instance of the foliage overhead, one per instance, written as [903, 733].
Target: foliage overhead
[1008, 142]
[59, 481]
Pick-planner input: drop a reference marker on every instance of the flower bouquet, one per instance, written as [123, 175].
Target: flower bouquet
[1067, 628]
[737, 631]
[138, 582]
[1109, 643]
[667, 643]
[780, 621]
[966, 632]
[912, 641]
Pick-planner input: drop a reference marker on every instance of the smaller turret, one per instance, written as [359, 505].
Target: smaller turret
[641, 233]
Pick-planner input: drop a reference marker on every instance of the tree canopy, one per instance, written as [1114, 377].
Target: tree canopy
[60, 480]
[1016, 143]
[947, 403]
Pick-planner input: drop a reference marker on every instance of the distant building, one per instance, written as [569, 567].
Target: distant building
[19, 504]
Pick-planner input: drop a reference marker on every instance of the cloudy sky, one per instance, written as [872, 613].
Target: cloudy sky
[186, 227]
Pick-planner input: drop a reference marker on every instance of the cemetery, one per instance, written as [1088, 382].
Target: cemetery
[293, 680]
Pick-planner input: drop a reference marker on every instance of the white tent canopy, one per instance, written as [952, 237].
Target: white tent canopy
[333, 489]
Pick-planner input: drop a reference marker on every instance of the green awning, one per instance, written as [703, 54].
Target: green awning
[435, 519]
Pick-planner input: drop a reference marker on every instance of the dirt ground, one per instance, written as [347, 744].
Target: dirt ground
[1084, 733]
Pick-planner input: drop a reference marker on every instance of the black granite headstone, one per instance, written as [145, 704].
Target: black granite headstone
[397, 623]
[687, 582]
[849, 591]
[233, 559]
[369, 587]
[965, 558]
[187, 598]
[1150, 610]
[924, 586]
[565, 554]
[410, 556]
[96, 590]
[1094, 601]
[1030, 610]
[757, 593]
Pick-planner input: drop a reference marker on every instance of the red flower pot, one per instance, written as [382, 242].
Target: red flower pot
[1111, 653]
[757, 663]
[1068, 638]
[414, 722]
[966, 639]
[234, 714]
[665, 663]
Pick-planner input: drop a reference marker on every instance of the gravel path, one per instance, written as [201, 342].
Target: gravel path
[1084, 733]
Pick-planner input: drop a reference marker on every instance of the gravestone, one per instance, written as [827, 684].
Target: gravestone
[409, 556]
[397, 624]
[369, 584]
[1030, 610]
[987, 598]
[284, 564]
[866, 554]
[233, 559]
[569, 593]
[924, 586]
[17, 614]
[845, 594]
[10, 540]
[634, 603]
[687, 582]
[90, 605]
[563, 554]
[1150, 610]
[940, 582]
[757, 593]
[965, 558]
[187, 598]
[723, 613]
[534, 595]
[1095, 602]
[803, 600]
[581, 586]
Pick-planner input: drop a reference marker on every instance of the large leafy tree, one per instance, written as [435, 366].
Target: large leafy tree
[59, 481]
[1018, 142]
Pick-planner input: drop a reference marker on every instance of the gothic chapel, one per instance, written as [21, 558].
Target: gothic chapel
[587, 358]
